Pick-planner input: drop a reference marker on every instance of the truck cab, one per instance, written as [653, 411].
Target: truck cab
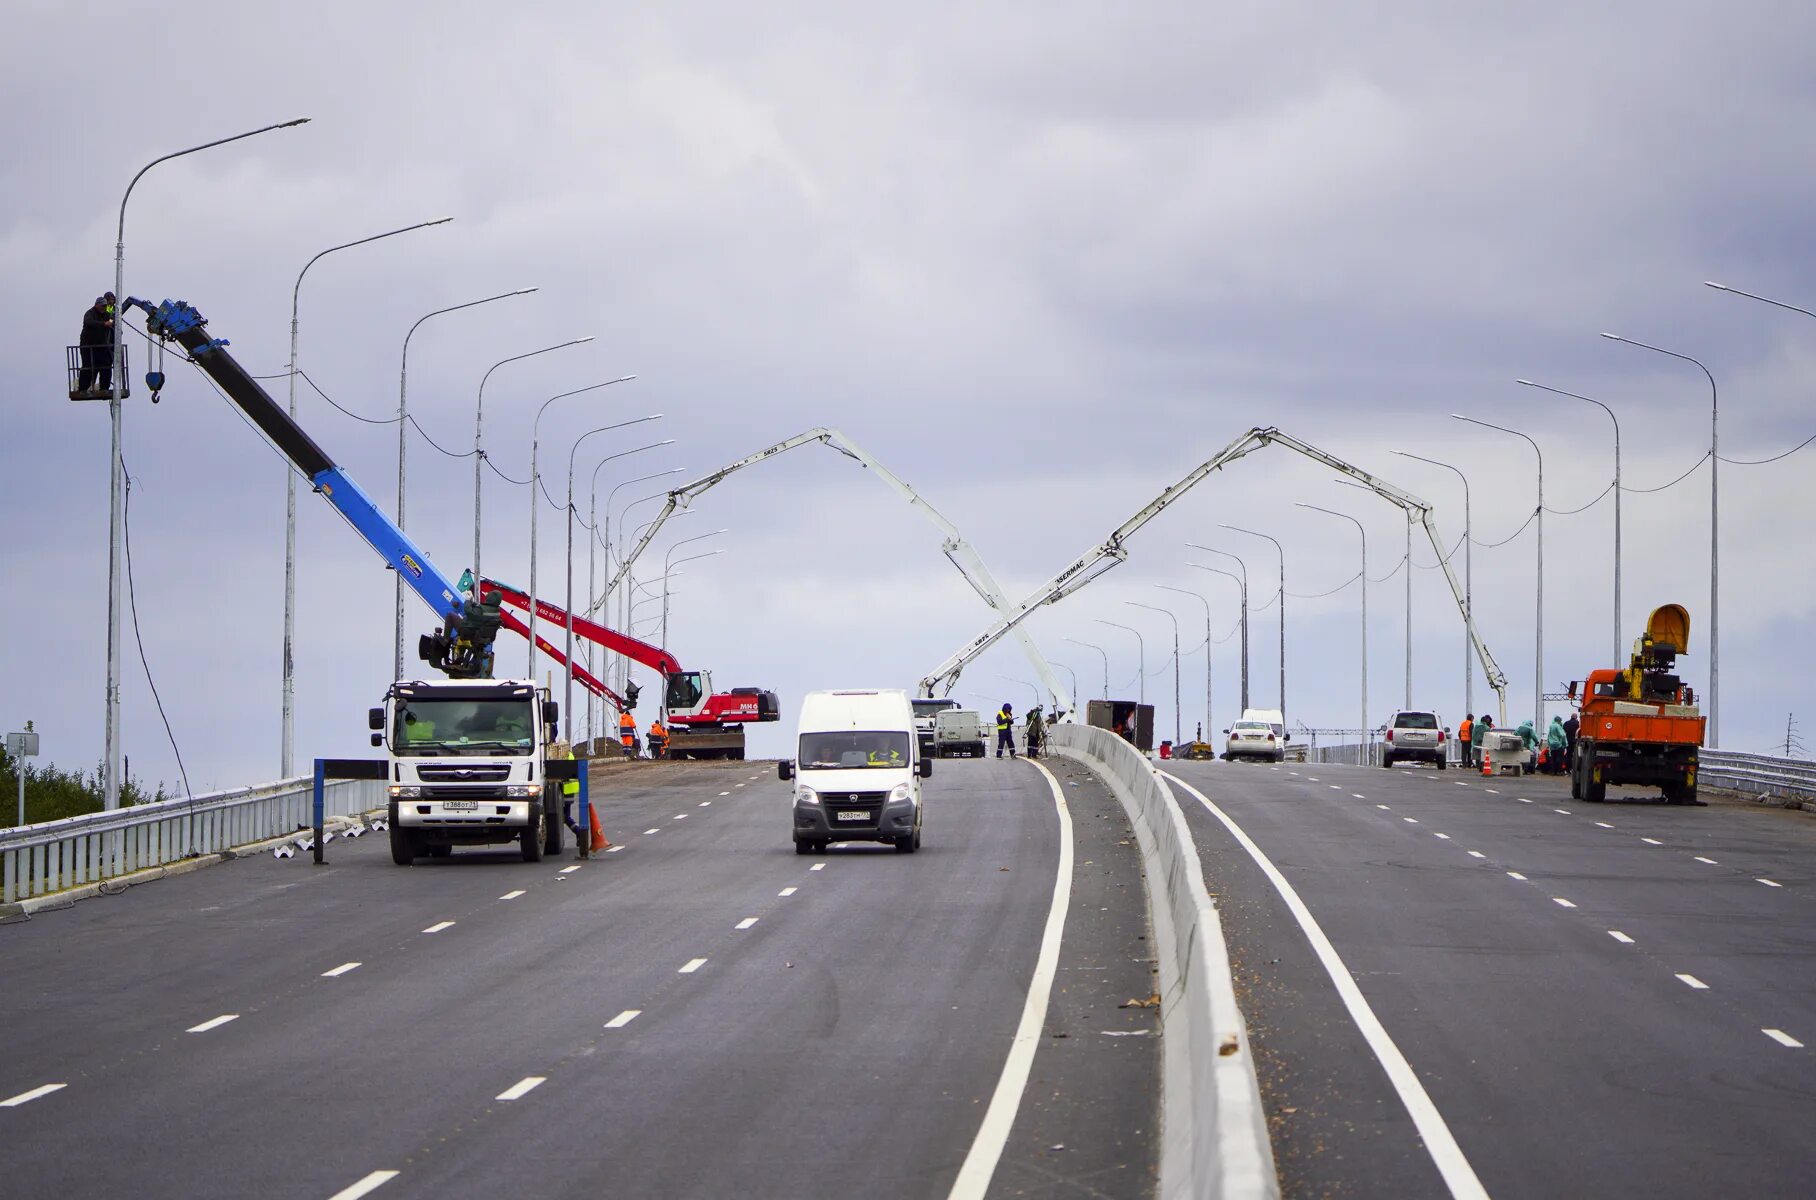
[858, 777]
[467, 766]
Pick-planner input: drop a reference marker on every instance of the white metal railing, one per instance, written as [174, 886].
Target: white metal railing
[1758, 774]
[54, 856]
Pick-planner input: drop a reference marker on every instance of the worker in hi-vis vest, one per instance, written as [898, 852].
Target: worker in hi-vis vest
[627, 733]
[658, 738]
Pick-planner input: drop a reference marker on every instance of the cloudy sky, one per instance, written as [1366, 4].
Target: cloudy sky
[1039, 259]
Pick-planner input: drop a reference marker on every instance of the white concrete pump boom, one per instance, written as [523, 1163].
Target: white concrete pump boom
[1111, 551]
[959, 551]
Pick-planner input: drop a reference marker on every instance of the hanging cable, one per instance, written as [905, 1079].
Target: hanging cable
[1516, 533]
[1332, 592]
[304, 375]
[436, 445]
[1699, 462]
[1391, 573]
[1568, 512]
[1754, 462]
[132, 600]
[503, 476]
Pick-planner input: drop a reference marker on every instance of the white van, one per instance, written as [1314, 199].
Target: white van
[858, 778]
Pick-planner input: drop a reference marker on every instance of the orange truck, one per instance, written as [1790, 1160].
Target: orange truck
[1640, 726]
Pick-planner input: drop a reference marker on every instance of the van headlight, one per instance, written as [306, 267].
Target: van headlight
[900, 793]
[806, 795]
[405, 793]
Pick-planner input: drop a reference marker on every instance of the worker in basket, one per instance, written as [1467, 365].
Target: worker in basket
[658, 739]
[627, 733]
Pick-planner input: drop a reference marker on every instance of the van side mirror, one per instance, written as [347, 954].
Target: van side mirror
[926, 771]
[378, 739]
[551, 712]
[785, 770]
[375, 719]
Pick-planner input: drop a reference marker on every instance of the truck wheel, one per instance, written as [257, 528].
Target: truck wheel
[1576, 780]
[1594, 793]
[803, 847]
[1680, 793]
[403, 843]
[529, 841]
[906, 844]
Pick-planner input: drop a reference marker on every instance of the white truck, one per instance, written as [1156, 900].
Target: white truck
[860, 771]
[468, 765]
[926, 711]
[959, 731]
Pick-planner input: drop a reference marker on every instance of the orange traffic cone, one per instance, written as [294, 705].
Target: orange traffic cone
[1486, 769]
[600, 841]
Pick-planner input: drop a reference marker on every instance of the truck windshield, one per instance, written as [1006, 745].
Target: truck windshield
[427, 726]
[847, 749]
[928, 708]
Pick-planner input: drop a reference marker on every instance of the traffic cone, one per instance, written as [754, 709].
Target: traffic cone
[600, 841]
[1486, 769]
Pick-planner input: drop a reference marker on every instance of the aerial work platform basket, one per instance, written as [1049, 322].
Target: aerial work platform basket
[91, 372]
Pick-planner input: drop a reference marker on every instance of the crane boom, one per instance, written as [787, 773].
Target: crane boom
[1108, 553]
[956, 548]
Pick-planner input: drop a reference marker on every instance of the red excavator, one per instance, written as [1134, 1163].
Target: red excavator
[702, 723]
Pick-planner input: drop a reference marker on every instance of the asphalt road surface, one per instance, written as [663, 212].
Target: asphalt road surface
[1598, 999]
[700, 1012]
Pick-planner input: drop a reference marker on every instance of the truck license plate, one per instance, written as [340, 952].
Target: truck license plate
[859, 815]
[459, 805]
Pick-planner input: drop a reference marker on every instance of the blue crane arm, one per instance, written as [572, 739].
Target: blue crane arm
[463, 645]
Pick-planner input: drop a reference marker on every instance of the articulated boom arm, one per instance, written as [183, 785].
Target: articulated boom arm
[1112, 551]
[653, 657]
[582, 676]
[957, 550]
[463, 647]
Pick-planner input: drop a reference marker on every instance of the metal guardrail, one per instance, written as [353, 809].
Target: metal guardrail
[1792, 779]
[54, 856]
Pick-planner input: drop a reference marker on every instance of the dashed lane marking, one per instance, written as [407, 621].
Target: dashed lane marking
[624, 1018]
[365, 1186]
[1462, 785]
[522, 1087]
[705, 804]
[439, 926]
[1516, 875]
[1445, 836]
[817, 867]
[340, 970]
[1777, 1035]
[214, 1023]
[787, 891]
[512, 895]
[746, 923]
[1522, 800]
[613, 849]
[1565, 811]
[1358, 796]
[1603, 825]
[568, 870]
[1410, 820]
[1334, 787]
[1699, 858]
[1651, 841]
[725, 793]
[1693, 981]
[1620, 937]
[1561, 902]
[1769, 882]
[48, 1088]
[680, 816]
[647, 832]
[1491, 791]
[1382, 806]
[693, 964]
[1477, 854]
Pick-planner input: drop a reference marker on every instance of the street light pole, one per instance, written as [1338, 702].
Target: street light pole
[1538, 662]
[1244, 582]
[287, 755]
[1073, 675]
[403, 442]
[1469, 583]
[1141, 659]
[605, 602]
[1407, 702]
[666, 575]
[1207, 648]
[479, 449]
[668, 563]
[593, 540]
[1175, 621]
[116, 469]
[1364, 533]
[1617, 502]
[1106, 662]
[1282, 552]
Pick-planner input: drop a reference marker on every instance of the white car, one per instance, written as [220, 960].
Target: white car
[1254, 739]
[1415, 735]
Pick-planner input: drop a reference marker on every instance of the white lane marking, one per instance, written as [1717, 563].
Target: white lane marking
[512, 895]
[1769, 882]
[1491, 791]
[704, 804]
[1651, 841]
[746, 923]
[1620, 937]
[1603, 825]
[817, 867]
[1565, 811]
[1292, 772]
[1477, 854]
[340, 970]
[371, 1182]
[693, 964]
[568, 870]
[1462, 785]
[613, 849]
[1334, 787]
[1561, 902]
[1380, 806]
[1359, 795]
[522, 1087]
[1522, 800]
[45, 1090]
[680, 816]
[1445, 836]
[1699, 858]
[993, 1132]
[1439, 1143]
[1777, 1035]
[787, 891]
[624, 1018]
[723, 794]
[1516, 875]
[1410, 820]
[647, 832]
[214, 1023]
[1693, 981]
[439, 926]
[740, 785]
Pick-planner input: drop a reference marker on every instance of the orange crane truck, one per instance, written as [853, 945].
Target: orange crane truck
[1640, 725]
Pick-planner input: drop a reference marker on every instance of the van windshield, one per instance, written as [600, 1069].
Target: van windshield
[853, 749]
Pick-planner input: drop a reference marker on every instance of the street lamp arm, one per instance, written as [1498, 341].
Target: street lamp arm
[1722, 287]
[456, 308]
[296, 291]
[121, 233]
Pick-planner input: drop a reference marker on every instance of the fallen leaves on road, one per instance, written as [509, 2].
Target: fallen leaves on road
[1153, 1001]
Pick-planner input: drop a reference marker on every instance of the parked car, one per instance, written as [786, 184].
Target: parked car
[1416, 736]
[1254, 739]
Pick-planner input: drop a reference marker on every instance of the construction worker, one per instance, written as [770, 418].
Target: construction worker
[96, 375]
[1463, 735]
[1529, 738]
[1555, 743]
[1571, 724]
[627, 733]
[1037, 732]
[1478, 735]
[1005, 730]
[885, 756]
[658, 738]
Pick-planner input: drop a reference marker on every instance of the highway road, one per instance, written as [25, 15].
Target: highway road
[1596, 1000]
[699, 1013]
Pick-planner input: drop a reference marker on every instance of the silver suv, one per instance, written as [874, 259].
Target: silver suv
[1414, 735]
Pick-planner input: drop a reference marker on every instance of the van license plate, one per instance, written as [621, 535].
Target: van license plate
[459, 805]
[854, 816]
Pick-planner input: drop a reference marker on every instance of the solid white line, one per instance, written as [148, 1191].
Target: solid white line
[624, 1018]
[1561, 902]
[647, 832]
[522, 1087]
[1699, 858]
[340, 970]
[1477, 854]
[993, 1133]
[817, 867]
[1651, 841]
[439, 926]
[1620, 937]
[512, 895]
[1439, 1143]
[788, 891]
[1768, 882]
[1694, 982]
[368, 1184]
[746, 923]
[693, 964]
[1445, 836]
[47, 1089]
[215, 1023]
[1516, 875]
[568, 870]
[1777, 1035]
